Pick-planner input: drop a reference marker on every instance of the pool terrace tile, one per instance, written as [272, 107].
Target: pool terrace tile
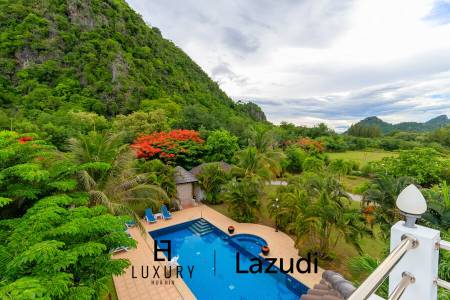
[281, 246]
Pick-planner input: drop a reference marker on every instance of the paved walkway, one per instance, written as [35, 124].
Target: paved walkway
[281, 245]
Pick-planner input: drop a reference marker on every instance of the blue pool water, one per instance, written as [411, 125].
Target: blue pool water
[224, 283]
[249, 242]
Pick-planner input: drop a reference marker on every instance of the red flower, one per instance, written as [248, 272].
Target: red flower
[25, 139]
[159, 144]
[310, 144]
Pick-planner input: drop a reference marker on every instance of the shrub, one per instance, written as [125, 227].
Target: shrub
[295, 157]
[313, 164]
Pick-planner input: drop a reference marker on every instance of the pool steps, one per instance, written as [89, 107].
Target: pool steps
[201, 227]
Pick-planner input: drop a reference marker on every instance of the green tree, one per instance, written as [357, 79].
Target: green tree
[30, 169]
[108, 174]
[425, 165]
[211, 180]
[139, 122]
[438, 213]
[382, 195]
[221, 146]
[327, 219]
[295, 157]
[252, 163]
[288, 202]
[60, 249]
[340, 167]
[243, 198]
[159, 174]
[313, 164]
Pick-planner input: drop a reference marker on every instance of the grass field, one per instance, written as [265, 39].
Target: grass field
[362, 157]
[351, 183]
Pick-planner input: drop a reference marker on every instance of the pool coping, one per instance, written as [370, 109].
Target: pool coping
[231, 239]
[281, 245]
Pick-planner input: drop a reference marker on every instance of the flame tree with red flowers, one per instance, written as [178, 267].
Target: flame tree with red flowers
[310, 145]
[181, 147]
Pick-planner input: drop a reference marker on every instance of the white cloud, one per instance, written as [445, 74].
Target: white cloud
[337, 61]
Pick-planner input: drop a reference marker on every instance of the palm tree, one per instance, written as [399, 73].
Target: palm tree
[108, 175]
[161, 175]
[243, 198]
[211, 180]
[438, 214]
[327, 218]
[262, 140]
[290, 200]
[382, 195]
[252, 163]
[364, 265]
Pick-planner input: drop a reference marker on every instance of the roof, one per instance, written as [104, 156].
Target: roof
[183, 176]
[198, 169]
[332, 287]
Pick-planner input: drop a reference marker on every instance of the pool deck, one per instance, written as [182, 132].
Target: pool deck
[128, 288]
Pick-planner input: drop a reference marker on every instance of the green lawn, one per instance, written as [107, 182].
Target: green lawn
[362, 157]
[351, 183]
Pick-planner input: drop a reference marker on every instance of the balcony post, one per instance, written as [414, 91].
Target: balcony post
[421, 262]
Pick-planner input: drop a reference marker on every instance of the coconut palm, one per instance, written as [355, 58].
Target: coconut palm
[108, 175]
[290, 200]
[438, 214]
[327, 219]
[252, 163]
[243, 198]
[382, 195]
[262, 140]
[211, 180]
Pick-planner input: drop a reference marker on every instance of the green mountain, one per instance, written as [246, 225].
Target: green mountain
[439, 121]
[100, 56]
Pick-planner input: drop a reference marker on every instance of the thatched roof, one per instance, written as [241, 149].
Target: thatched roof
[183, 176]
[198, 169]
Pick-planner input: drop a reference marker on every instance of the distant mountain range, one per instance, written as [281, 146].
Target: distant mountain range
[385, 127]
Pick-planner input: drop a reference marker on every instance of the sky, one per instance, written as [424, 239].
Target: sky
[312, 61]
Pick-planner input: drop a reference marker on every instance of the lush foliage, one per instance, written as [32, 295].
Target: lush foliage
[364, 131]
[425, 165]
[30, 169]
[60, 249]
[110, 177]
[211, 180]
[313, 207]
[243, 197]
[221, 146]
[382, 195]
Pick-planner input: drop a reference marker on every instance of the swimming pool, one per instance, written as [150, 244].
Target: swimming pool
[249, 242]
[197, 242]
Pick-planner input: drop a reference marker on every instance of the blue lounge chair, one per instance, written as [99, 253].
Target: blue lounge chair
[165, 213]
[149, 217]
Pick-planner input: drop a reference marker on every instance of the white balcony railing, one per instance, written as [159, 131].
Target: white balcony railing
[412, 265]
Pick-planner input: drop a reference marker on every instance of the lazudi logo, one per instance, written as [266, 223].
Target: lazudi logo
[157, 272]
[267, 265]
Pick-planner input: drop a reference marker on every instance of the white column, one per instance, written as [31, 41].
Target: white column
[422, 262]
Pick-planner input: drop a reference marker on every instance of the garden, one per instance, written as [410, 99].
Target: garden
[97, 110]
